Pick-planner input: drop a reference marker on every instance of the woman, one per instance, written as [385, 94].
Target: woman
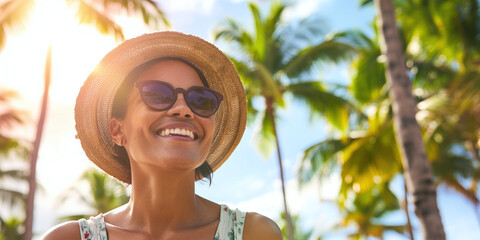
[160, 112]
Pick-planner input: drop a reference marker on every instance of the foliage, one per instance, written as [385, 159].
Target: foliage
[365, 210]
[279, 58]
[104, 194]
[11, 229]
[14, 14]
[298, 233]
[443, 62]
[11, 118]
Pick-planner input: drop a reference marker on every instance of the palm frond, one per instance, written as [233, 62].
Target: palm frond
[368, 75]
[12, 198]
[10, 118]
[260, 34]
[273, 18]
[298, 34]
[13, 174]
[231, 32]
[14, 14]
[89, 14]
[365, 2]
[354, 38]
[321, 159]
[371, 159]
[10, 145]
[450, 166]
[105, 193]
[469, 194]
[327, 51]
[264, 138]
[149, 10]
[464, 91]
[270, 87]
[334, 108]
[430, 75]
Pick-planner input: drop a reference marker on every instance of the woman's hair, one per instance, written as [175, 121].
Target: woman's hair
[121, 99]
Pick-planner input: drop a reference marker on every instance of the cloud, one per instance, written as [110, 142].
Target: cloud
[302, 9]
[305, 202]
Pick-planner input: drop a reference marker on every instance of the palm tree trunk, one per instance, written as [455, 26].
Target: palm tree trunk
[32, 182]
[418, 173]
[407, 213]
[270, 112]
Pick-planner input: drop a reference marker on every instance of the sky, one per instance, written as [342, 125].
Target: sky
[246, 180]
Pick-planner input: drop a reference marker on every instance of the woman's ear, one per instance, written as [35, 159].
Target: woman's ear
[116, 131]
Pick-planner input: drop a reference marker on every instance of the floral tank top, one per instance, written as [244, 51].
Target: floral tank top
[230, 226]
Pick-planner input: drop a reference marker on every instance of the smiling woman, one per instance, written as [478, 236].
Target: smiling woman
[160, 112]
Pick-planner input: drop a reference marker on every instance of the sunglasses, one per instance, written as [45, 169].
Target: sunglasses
[161, 96]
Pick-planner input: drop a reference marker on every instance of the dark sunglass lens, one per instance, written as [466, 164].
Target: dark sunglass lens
[158, 96]
[203, 102]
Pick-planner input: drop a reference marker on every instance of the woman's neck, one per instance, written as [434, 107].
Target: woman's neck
[163, 201]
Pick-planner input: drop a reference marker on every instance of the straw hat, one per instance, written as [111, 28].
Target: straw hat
[93, 108]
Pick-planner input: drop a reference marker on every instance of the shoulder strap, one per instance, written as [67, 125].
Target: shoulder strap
[93, 228]
[231, 224]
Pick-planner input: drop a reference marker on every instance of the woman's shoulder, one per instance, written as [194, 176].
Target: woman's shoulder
[67, 230]
[258, 226]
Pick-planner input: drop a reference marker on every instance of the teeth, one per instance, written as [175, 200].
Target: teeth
[177, 131]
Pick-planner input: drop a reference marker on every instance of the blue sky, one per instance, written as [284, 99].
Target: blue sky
[246, 180]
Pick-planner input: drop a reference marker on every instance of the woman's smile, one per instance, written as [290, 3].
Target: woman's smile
[178, 131]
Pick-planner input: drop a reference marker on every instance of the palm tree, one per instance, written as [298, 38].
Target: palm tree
[105, 193]
[14, 14]
[447, 123]
[277, 59]
[446, 31]
[365, 210]
[298, 233]
[11, 229]
[418, 173]
[10, 118]
[97, 13]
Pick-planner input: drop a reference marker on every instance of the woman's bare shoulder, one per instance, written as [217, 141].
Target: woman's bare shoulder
[258, 226]
[67, 230]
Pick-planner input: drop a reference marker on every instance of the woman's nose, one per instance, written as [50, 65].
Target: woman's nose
[180, 108]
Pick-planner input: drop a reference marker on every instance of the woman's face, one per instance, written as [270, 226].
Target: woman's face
[142, 131]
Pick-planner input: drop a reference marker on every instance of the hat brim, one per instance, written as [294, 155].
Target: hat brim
[94, 102]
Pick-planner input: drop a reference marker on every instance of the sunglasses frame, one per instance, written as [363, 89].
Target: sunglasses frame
[175, 91]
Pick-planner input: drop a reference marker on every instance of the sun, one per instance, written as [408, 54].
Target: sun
[76, 48]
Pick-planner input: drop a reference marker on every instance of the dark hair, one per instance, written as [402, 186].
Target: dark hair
[120, 103]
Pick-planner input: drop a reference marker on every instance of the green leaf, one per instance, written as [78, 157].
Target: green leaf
[368, 75]
[321, 159]
[270, 87]
[371, 159]
[334, 108]
[260, 34]
[327, 51]
[264, 138]
[365, 2]
[88, 14]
